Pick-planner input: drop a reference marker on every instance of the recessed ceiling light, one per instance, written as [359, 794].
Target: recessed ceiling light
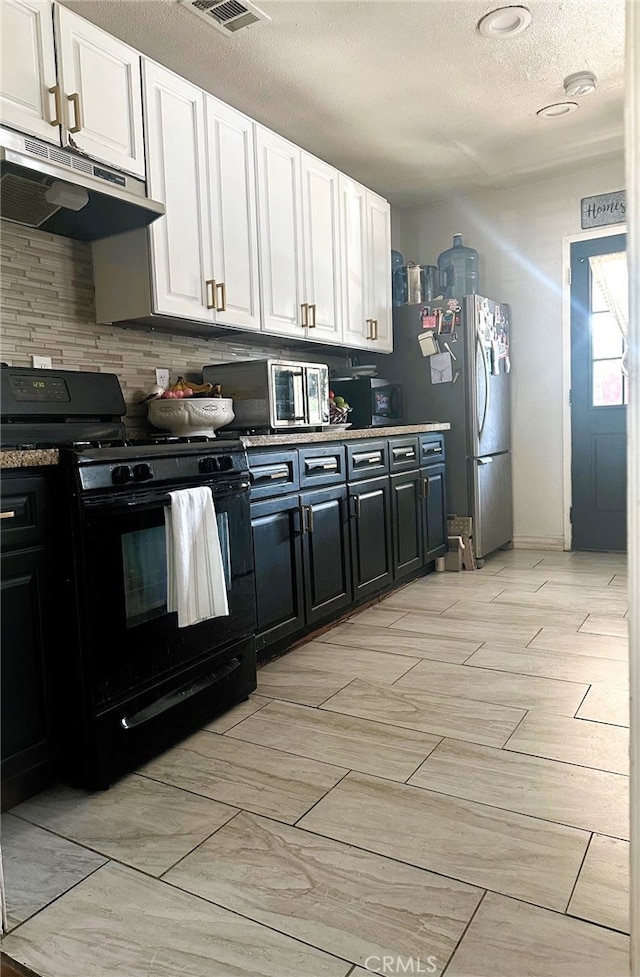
[558, 110]
[505, 22]
[580, 83]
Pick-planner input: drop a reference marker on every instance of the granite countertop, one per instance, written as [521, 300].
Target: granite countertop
[28, 457]
[313, 437]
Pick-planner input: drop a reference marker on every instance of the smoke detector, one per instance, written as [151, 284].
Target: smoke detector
[227, 16]
[580, 83]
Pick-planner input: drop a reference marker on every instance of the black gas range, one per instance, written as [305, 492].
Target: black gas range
[130, 682]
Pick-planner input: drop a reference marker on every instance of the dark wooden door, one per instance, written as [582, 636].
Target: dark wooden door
[325, 548]
[598, 407]
[371, 557]
[406, 517]
[434, 511]
[277, 550]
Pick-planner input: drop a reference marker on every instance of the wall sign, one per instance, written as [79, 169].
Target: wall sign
[606, 208]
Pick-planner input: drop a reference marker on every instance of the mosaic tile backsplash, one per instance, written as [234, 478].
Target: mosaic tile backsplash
[47, 307]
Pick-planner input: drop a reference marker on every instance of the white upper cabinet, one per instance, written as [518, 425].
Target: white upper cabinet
[366, 268]
[320, 218]
[92, 102]
[99, 78]
[280, 234]
[28, 97]
[181, 263]
[233, 219]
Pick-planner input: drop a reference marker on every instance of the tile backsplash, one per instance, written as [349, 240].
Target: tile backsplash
[47, 307]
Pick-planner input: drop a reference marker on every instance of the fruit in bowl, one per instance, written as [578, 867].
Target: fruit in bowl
[188, 416]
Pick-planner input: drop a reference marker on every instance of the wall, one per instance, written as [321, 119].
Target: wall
[518, 232]
[46, 306]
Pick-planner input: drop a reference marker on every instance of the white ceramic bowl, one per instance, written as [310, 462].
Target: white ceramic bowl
[191, 415]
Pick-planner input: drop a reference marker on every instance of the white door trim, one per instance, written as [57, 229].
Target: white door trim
[591, 234]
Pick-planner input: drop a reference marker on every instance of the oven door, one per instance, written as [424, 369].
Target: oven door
[288, 402]
[128, 639]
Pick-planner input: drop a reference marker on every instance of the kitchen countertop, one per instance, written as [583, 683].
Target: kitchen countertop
[31, 458]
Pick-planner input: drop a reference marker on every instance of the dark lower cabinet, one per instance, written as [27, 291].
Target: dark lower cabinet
[325, 552]
[434, 512]
[277, 550]
[407, 522]
[371, 538]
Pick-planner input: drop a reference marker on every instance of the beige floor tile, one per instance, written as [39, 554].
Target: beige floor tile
[250, 777]
[605, 703]
[400, 642]
[573, 601]
[137, 821]
[420, 598]
[299, 683]
[547, 664]
[573, 643]
[555, 575]
[335, 897]
[477, 844]
[598, 624]
[378, 616]
[601, 894]
[593, 800]
[359, 744]
[576, 741]
[486, 588]
[431, 712]
[511, 939]
[352, 662]
[233, 716]
[520, 691]
[119, 922]
[502, 635]
[513, 614]
[620, 580]
[38, 867]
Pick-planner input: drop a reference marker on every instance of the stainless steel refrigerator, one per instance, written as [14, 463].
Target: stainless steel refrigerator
[465, 379]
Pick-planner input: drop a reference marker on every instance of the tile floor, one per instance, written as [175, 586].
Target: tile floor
[438, 785]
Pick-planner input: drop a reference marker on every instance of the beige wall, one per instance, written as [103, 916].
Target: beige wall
[46, 306]
[518, 233]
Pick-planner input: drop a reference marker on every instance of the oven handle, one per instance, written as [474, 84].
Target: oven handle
[140, 501]
[179, 695]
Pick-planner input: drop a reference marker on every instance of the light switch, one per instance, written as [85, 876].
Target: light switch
[41, 362]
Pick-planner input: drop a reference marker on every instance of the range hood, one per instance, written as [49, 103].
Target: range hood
[56, 190]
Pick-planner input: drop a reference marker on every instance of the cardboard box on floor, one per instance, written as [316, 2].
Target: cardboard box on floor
[460, 555]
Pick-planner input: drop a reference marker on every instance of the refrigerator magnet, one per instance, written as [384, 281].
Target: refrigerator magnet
[441, 371]
[429, 319]
[495, 357]
[428, 343]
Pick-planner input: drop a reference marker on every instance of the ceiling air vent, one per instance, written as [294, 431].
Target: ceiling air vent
[228, 16]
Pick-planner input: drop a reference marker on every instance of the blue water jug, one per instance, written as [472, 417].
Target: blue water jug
[458, 270]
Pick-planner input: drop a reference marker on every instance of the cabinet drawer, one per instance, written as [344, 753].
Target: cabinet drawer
[403, 454]
[23, 511]
[322, 465]
[273, 473]
[431, 449]
[366, 459]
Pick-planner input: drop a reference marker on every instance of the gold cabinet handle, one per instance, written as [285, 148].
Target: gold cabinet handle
[210, 287]
[55, 91]
[7, 515]
[223, 293]
[374, 328]
[77, 111]
[312, 324]
[305, 314]
[369, 328]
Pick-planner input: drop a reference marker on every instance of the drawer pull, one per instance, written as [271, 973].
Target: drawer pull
[261, 474]
[404, 452]
[368, 459]
[9, 514]
[437, 450]
[327, 466]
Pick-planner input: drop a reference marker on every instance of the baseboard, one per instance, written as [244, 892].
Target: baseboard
[538, 543]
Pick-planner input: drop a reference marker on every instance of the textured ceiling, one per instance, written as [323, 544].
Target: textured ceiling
[406, 97]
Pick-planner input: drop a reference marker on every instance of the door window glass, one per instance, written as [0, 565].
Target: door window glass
[609, 386]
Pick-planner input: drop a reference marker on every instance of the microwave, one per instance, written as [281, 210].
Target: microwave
[374, 402]
[274, 395]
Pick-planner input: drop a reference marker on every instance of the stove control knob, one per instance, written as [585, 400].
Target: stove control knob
[142, 472]
[121, 474]
[209, 464]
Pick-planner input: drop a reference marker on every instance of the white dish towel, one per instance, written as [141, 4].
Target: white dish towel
[196, 586]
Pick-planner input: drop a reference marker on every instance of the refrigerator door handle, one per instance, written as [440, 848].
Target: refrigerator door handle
[487, 382]
[485, 461]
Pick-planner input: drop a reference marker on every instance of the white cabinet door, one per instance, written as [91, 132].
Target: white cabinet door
[101, 95]
[321, 290]
[357, 330]
[181, 262]
[280, 234]
[379, 272]
[28, 97]
[233, 219]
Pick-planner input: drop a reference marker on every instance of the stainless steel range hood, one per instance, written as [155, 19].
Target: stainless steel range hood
[55, 190]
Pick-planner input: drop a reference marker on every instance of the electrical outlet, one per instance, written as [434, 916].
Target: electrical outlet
[162, 378]
[41, 362]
